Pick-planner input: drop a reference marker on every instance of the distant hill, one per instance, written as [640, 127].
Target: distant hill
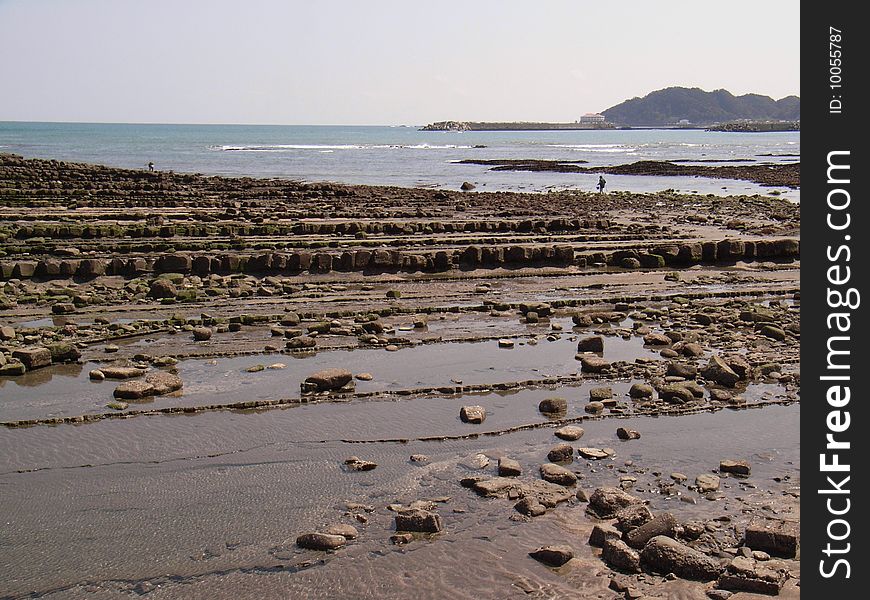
[670, 105]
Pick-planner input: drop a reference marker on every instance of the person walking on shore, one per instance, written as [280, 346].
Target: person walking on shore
[601, 184]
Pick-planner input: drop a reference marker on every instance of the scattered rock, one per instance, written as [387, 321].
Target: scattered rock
[641, 390]
[472, 414]
[355, 463]
[601, 533]
[418, 520]
[605, 502]
[618, 554]
[661, 524]
[364, 376]
[201, 334]
[594, 343]
[561, 453]
[348, 532]
[666, 555]
[738, 467]
[164, 383]
[320, 541]
[779, 538]
[557, 474]
[593, 453]
[553, 556]
[718, 371]
[745, 575]
[569, 433]
[134, 390]
[705, 482]
[33, 358]
[328, 379]
[530, 506]
[593, 364]
[508, 467]
[627, 434]
[552, 406]
[505, 343]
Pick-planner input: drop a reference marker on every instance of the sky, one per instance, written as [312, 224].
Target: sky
[379, 62]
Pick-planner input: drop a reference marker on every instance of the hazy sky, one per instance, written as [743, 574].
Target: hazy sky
[379, 61]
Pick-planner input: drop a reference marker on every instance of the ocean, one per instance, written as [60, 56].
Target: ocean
[403, 155]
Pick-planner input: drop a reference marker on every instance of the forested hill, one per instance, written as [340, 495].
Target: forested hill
[671, 105]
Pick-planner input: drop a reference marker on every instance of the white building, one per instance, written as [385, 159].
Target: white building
[592, 119]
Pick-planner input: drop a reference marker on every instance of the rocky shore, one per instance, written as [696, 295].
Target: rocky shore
[521, 394]
[785, 175]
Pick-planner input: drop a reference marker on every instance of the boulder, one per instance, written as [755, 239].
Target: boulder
[561, 453]
[164, 383]
[162, 288]
[301, 342]
[631, 517]
[661, 524]
[472, 414]
[348, 532]
[666, 555]
[776, 537]
[418, 520]
[594, 343]
[706, 482]
[554, 555]
[530, 506]
[601, 533]
[718, 371]
[737, 467]
[320, 541]
[744, 574]
[593, 364]
[680, 369]
[593, 453]
[201, 334]
[641, 390]
[605, 502]
[553, 406]
[619, 555]
[508, 467]
[627, 434]
[63, 352]
[328, 379]
[557, 474]
[134, 390]
[569, 433]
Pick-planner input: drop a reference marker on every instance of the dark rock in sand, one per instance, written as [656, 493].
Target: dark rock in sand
[472, 414]
[619, 555]
[320, 541]
[530, 507]
[641, 390]
[666, 555]
[662, 524]
[627, 434]
[738, 467]
[605, 502]
[632, 517]
[593, 364]
[328, 379]
[553, 406]
[466, 186]
[557, 474]
[561, 453]
[718, 371]
[201, 334]
[418, 520]
[745, 575]
[162, 288]
[348, 532]
[591, 344]
[601, 533]
[553, 556]
[508, 467]
[355, 463]
[134, 390]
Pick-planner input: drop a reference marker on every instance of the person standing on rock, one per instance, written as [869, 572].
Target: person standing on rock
[601, 184]
[150, 166]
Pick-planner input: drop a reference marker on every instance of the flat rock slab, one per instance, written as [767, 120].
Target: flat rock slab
[775, 537]
[746, 575]
[594, 453]
[593, 364]
[134, 390]
[164, 383]
[508, 467]
[706, 482]
[569, 433]
[328, 379]
[33, 358]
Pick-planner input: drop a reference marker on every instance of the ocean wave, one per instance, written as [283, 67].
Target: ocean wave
[332, 147]
[608, 148]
